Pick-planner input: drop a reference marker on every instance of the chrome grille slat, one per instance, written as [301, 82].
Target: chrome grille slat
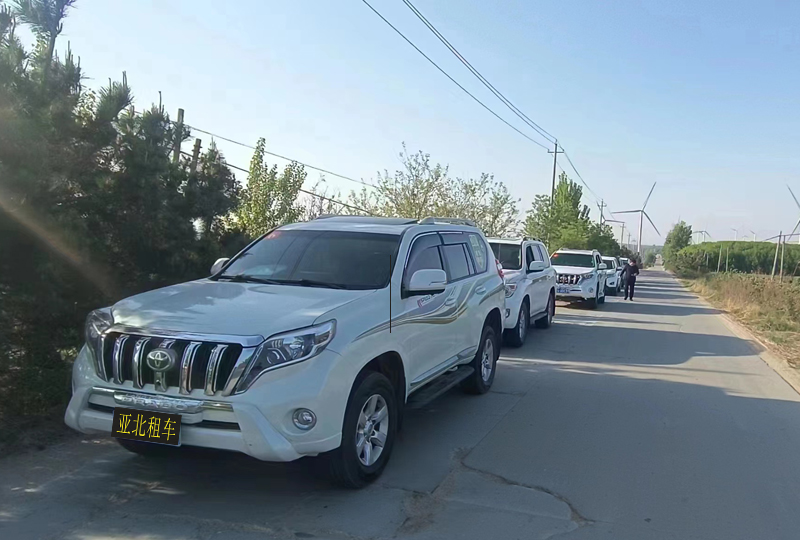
[136, 361]
[185, 385]
[204, 365]
[211, 369]
[116, 358]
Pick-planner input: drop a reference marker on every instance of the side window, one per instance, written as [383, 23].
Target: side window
[478, 252]
[529, 257]
[424, 255]
[597, 260]
[458, 267]
[544, 258]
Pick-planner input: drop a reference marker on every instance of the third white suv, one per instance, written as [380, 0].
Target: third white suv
[530, 286]
[581, 275]
[310, 341]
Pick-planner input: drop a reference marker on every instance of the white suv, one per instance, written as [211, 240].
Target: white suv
[530, 285]
[309, 341]
[581, 275]
[613, 281]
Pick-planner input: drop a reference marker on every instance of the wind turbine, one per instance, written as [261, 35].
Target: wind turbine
[642, 215]
[754, 235]
[704, 233]
[735, 234]
[798, 221]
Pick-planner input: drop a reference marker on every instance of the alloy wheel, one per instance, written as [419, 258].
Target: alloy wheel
[487, 359]
[372, 430]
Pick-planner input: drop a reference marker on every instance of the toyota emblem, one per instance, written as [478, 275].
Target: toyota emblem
[161, 359]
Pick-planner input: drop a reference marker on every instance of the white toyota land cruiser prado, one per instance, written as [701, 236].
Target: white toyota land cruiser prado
[310, 341]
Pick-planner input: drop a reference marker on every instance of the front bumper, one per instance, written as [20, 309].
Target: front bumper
[513, 305]
[583, 291]
[256, 422]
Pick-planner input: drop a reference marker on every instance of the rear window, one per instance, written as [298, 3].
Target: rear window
[509, 255]
[611, 262]
[573, 259]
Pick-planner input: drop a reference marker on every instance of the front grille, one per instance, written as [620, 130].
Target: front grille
[568, 279]
[200, 365]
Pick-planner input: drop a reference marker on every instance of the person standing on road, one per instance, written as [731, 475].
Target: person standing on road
[629, 274]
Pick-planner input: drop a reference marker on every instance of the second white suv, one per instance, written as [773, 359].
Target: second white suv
[530, 286]
[310, 341]
[581, 275]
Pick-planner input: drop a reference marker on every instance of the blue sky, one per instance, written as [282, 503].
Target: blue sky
[701, 97]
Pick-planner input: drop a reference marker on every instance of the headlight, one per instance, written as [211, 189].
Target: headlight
[288, 348]
[97, 323]
[587, 276]
[511, 288]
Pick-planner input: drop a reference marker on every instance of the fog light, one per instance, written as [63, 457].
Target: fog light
[591, 289]
[508, 313]
[304, 419]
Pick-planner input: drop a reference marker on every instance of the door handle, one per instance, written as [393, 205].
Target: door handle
[480, 290]
[450, 301]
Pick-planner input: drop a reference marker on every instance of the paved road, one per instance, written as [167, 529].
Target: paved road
[642, 420]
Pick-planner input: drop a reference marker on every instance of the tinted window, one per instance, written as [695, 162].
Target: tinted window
[597, 260]
[508, 254]
[347, 259]
[529, 257]
[424, 256]
[457, 263]
[543, 256]
[479, 252]
[573, 259]
[610, 261]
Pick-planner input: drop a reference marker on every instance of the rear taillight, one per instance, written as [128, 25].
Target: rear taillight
[499, 268]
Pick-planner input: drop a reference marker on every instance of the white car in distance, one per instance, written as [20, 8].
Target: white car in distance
[530, 283]
[613, 281]
[581, 275]
[310, 341]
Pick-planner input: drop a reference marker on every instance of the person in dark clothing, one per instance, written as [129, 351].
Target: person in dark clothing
[629, 274]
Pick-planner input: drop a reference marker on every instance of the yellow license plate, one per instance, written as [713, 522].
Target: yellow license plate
[147, 426]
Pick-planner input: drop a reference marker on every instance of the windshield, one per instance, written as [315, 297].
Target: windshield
[351, 260]
[610, 262]
[509, 255]
[572, 259]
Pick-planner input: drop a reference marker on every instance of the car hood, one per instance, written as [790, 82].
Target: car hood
[223, 307]
[572, 269]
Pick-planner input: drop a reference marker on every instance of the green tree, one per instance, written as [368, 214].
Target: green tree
[678, 238]
[420, 189]
[270, 198]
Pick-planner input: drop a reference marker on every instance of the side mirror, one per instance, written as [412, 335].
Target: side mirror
[427, 281]
[602, 266]
[536, 266]
[217, 266]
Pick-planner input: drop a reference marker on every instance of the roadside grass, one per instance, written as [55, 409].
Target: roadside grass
[769, 308]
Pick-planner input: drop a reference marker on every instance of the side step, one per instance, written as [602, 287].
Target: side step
[439, 386]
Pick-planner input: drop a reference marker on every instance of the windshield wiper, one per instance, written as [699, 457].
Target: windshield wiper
[311, 283]
[244, 278]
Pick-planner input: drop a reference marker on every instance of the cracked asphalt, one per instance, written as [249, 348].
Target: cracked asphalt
[642, 420]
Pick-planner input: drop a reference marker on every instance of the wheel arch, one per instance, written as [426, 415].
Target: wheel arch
[389, 364]
[495, 319]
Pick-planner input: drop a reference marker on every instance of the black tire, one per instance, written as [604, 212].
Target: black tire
[477, 383]
[346, 468]
[593, 303]
[516, 336]
[547, 320]
[148, 450]
[602, 299]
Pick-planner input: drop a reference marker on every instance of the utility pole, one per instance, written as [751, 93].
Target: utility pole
[176, 145]
[775, 260]
[719, 262]
[555, 163]
[195, 155]
[727, 256]
[783, 252]
[601, 206]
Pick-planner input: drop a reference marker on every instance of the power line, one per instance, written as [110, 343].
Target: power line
[579, 174]
[250, 146]
[540, 130]
[232, 166]
[449, 77]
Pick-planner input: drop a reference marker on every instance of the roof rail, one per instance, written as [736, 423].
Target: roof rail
[524, 238]
[452, 221]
